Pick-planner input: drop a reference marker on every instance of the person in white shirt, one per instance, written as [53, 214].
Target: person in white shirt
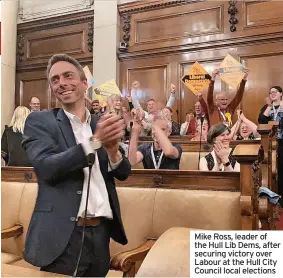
[76, 158]
[220, 159]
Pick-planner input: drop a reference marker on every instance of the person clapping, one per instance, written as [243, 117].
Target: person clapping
[161, 154]
[220, 159]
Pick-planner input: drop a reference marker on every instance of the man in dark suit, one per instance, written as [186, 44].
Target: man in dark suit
[58, 143]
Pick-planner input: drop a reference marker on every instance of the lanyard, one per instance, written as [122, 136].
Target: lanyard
[222, 114]
[275, 112]
[156, 165]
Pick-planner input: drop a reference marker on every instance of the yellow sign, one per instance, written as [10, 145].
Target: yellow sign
[197, 78]
[231, 71]
[107, 89]
[90, 79]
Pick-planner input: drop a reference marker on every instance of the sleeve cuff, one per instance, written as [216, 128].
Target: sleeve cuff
[87, 147]
[112, 166]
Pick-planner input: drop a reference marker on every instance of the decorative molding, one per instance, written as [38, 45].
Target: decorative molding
[56, 22]
[90, 36]
[232, 11]
[20, 47]
[231, 42]
[144, 6]
[29, 14]
[126, 29]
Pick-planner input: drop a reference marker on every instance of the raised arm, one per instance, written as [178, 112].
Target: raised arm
[203, 105]
[135, 156]
[171, 100]
[164, 142]
[238, 97]
[210, 101]
[88, 99]
[250, 124]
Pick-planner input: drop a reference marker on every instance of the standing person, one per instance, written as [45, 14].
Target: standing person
[11, 140]
[222, 111]
[161, 154]
[273, 111]
[34, 104]
[59, 143]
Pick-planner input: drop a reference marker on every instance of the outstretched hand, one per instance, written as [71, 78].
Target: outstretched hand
[214, 73]
[246, 71]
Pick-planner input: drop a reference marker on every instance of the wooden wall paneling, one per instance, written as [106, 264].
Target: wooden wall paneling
[262, 77]
[29, 84]
[258, 14]
[153, 29]
[38, 41]
[153, 81]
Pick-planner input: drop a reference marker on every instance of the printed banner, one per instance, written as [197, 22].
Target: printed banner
[107, 89]
[231, 71]
[197, 78]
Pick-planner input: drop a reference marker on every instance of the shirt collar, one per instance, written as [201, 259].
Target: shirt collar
[75, 118]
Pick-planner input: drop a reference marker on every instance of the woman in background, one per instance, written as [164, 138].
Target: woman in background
[11, 142]
[220, 159]
[203, 133]
[244, 129]
[273, 111]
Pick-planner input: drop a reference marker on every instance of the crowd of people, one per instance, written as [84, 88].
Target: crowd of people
[211, 122]
[77, 153]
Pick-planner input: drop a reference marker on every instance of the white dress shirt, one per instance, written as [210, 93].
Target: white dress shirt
[217, 166]
[98, 202]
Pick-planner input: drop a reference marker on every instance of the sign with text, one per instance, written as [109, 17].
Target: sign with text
[236, 253]
[107, 89]
[231, 71]
[197, 78]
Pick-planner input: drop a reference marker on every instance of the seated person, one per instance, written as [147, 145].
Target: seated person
[201, 134]
[175, 126]
[220, 159]
[161, 154]
[189, 126]
[244, 129]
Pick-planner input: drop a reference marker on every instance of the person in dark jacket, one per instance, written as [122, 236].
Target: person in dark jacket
[273, 111]
[11, 142]
[60, 144]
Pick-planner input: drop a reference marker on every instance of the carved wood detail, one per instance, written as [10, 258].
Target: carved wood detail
[90, 36]
[142, 6]
[126, 29]
[20, 48]
[232, 11]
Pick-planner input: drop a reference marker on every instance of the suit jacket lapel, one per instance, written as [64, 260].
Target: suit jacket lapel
[66, 128]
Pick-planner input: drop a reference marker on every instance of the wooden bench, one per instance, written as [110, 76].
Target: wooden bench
[153, 201]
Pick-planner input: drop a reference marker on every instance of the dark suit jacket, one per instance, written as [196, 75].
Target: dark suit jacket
[58, 162]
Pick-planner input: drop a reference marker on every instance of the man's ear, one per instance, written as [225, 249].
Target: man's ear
[85, 84]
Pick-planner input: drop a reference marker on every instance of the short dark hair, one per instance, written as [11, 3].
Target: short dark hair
[151, 99]
[215, 131]
[95, 101]
[65, 58]
[278, 88]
